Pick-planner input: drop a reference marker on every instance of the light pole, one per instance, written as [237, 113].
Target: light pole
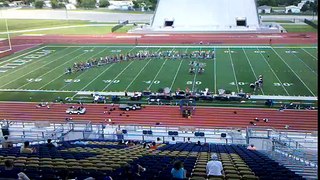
[67, 13]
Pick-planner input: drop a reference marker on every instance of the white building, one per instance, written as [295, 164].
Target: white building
[70, 6]
[292, 9]
[264, 9]
[74, 2]
[47, 4]
[206, 15]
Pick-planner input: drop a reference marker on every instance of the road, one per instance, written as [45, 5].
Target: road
[108, 16]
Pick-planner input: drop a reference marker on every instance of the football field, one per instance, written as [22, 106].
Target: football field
[287, 70]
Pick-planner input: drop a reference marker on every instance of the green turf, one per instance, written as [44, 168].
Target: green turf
[18, 24]
[298, 28]
[91, 30]
[287, 71]
[278, 21]
[25, 24]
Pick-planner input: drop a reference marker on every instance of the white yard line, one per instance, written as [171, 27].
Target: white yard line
[36, 68]
[96, 77]
[310, 54]
[64, 74]
[54, 69]
[195, 75]
[102, 72]
[215, 70]
[306, 65]
[293, 72]
[120, 72]
[77, 77]
[137, 75]
[117, 76]
[175, 76]
[164, 62]
[1, 62]
[273, 72]
[251, 68]
[174, 79]
[234, 73]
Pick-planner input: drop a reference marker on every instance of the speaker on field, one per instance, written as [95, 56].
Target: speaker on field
[223, 135]
[5, 131]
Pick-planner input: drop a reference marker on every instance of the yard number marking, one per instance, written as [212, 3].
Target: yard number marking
[283, 84]
[34, 79]
[71, 80]
[291, 52]
[196, 82]
[116, 81]
[154, 82]
[239, 83]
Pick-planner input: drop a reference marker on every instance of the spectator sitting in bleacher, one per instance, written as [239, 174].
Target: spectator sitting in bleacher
[131, 173]
[251, 147]
[178, 172]
[50, 144]
[159, 141]
[153, 145]
[26, 149]
[189, 141]
[6, 143]
[214, 167]
[173, 141]
[8, 166]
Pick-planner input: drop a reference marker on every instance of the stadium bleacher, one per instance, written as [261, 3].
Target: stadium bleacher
[101, 158]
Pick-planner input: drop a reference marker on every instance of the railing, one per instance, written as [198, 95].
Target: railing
[310, 23]
[306, 152]
[120, 25]
[167, 138]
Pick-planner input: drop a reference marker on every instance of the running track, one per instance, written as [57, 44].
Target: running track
[305, 120]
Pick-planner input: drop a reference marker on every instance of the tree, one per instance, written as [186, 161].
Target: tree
[39, 4]
[54, 4]
[304, 8]
[313, 6]
[28, 2]
[104, 3]
[88, 4]
[135, 4]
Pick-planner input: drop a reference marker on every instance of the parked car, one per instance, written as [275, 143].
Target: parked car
[78, 110]
[130, 106]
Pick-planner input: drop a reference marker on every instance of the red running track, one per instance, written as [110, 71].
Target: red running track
[304, 120]
[124, 38]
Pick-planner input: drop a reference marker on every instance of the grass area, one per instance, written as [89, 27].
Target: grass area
[278, 21]
[316, 22]
[25, 24]
[92, 30]
[95, 10]
[278, 8]
[87, 30]
[298, 28]
[114, 11]
[287, 71]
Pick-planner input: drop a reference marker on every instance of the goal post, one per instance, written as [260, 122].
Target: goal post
[5, 38]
